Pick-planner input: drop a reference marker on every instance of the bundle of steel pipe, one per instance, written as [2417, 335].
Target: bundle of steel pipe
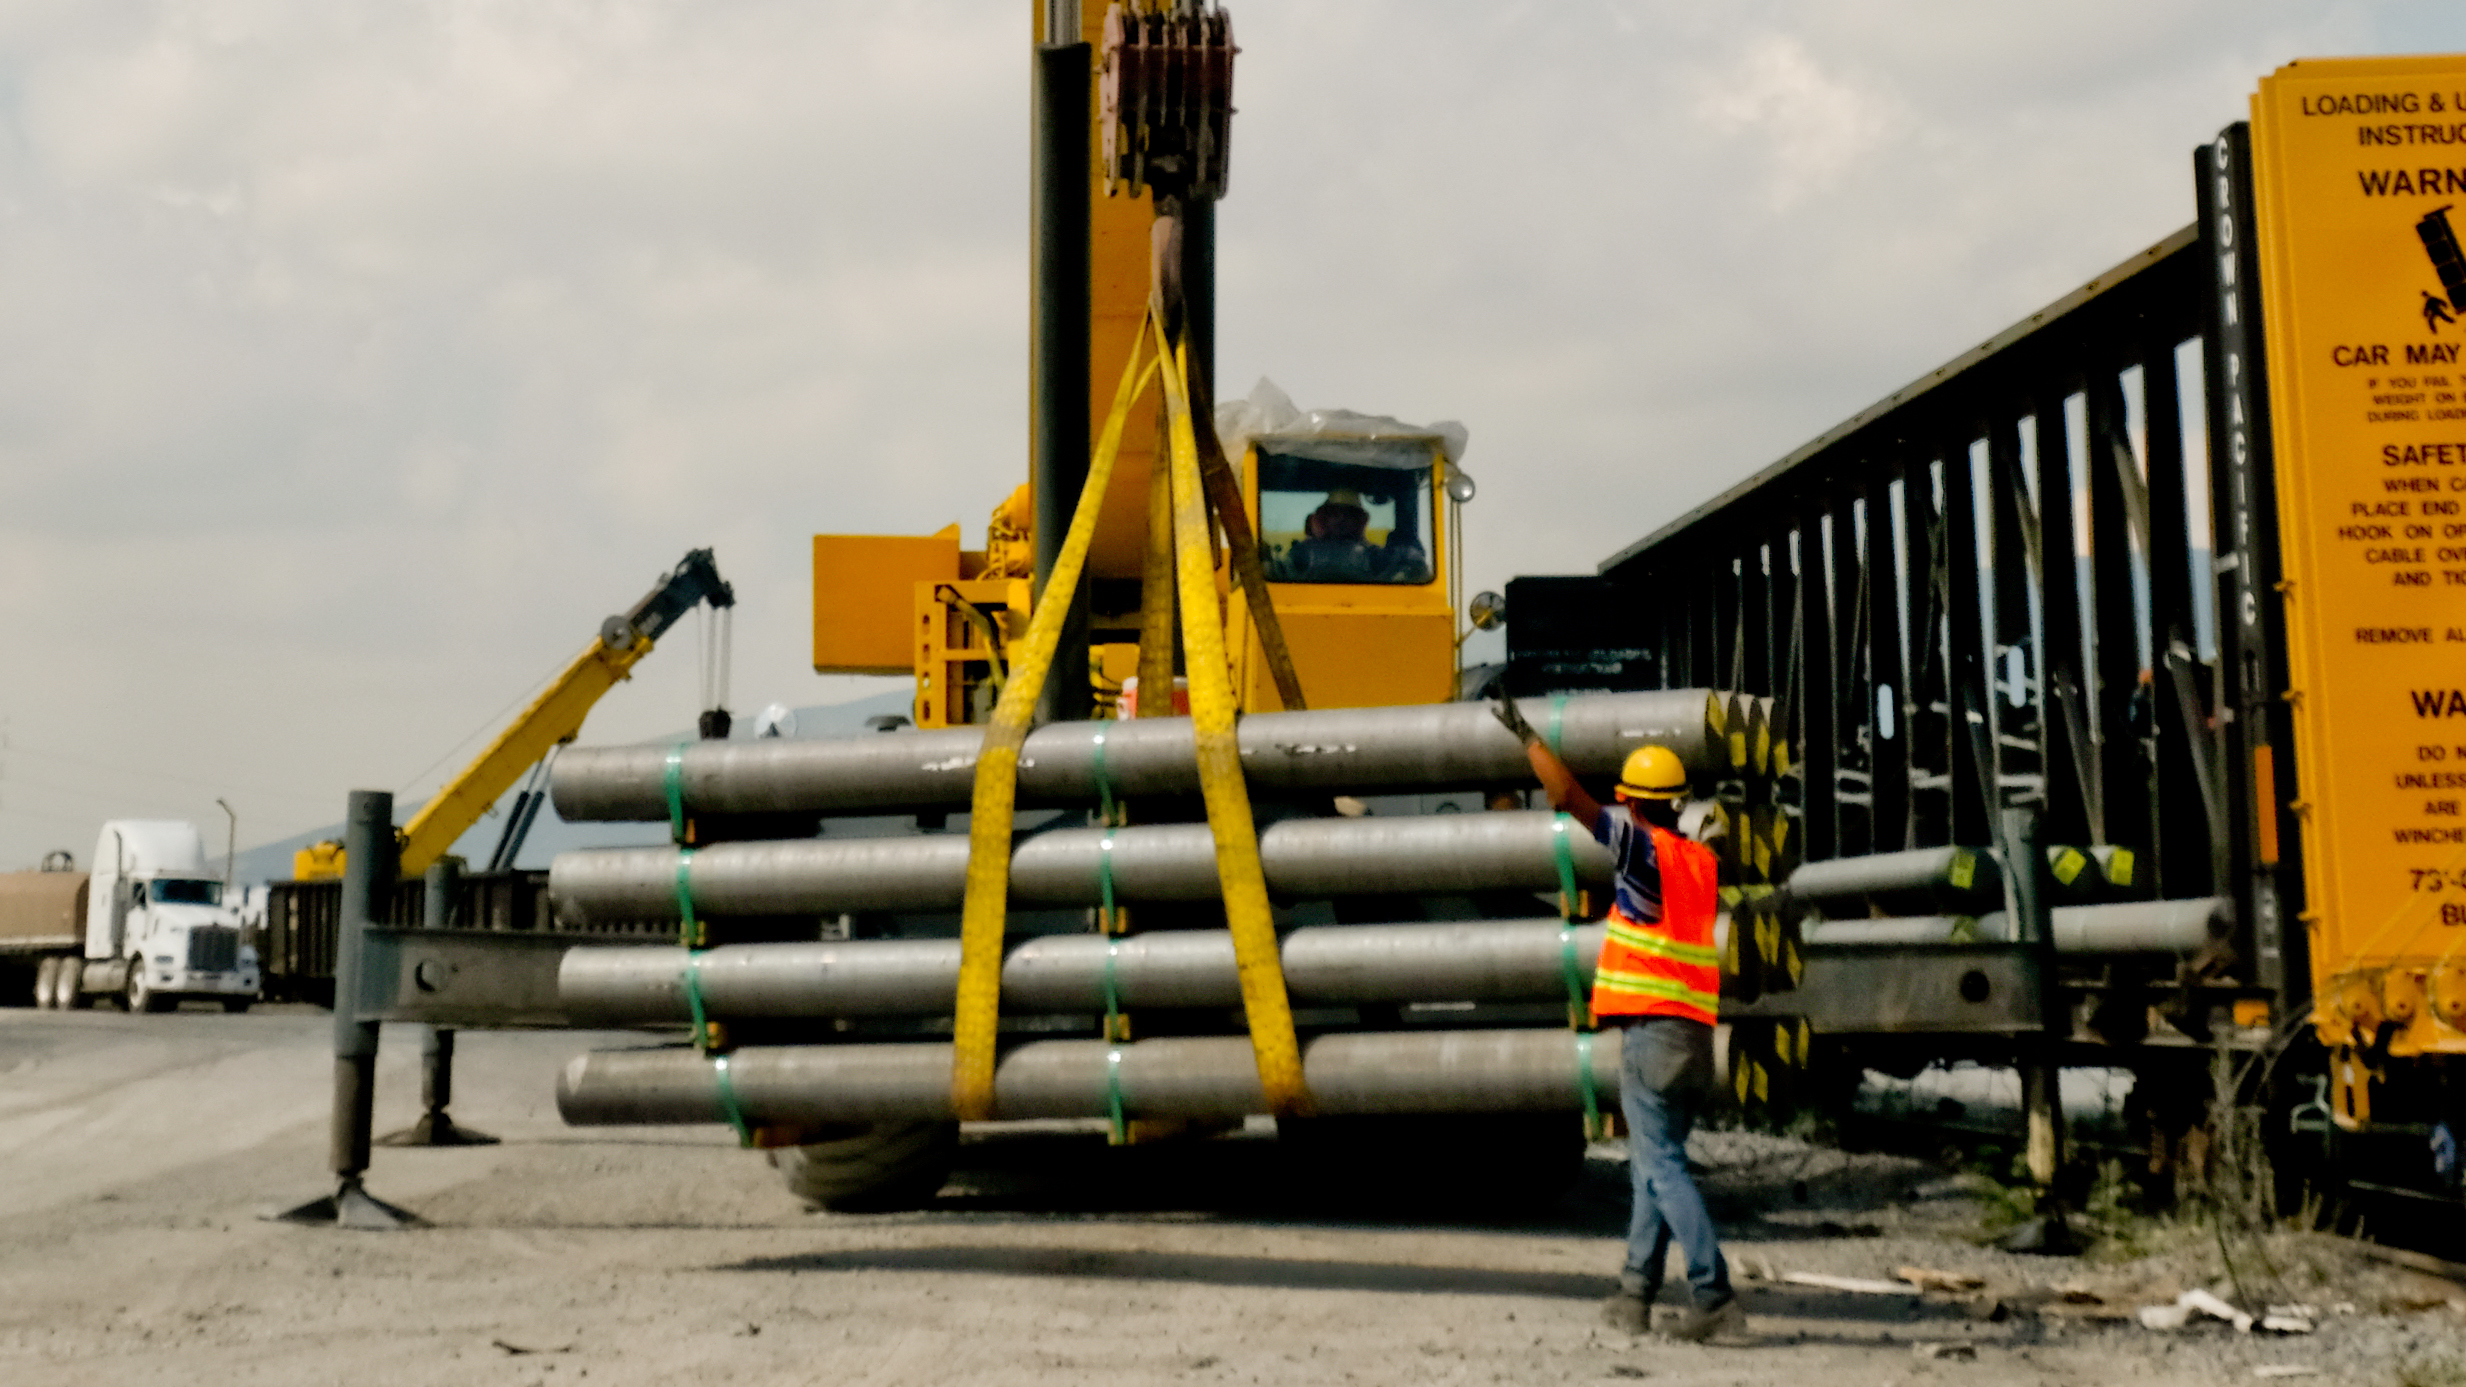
[1471, 961]
[2137, 927]
[1535, 1070]
[1347, 750]
[1304, 858]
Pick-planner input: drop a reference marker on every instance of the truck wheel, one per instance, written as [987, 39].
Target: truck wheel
[68, 987]
[870, 1168]
[46, 977]
[141, 997]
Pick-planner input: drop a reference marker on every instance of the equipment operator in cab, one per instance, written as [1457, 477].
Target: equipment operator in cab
[1659, 979]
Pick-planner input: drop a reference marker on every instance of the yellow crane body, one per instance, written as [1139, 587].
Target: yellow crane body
[1373, 624]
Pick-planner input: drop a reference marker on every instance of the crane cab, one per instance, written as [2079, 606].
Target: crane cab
[1356, 536]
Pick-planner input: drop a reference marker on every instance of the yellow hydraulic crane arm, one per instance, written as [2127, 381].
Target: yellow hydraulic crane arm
[556, 715]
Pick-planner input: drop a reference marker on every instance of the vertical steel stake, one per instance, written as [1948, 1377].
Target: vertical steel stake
[436, 1127]
[2042, 1102]
[370, 855]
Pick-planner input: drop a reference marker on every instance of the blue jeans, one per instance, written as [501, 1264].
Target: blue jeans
[1665, 1074]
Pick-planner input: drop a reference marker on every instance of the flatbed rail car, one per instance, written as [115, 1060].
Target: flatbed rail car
[2106, 568]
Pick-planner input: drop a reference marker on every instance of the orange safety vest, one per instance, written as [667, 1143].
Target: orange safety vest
[1670, 968]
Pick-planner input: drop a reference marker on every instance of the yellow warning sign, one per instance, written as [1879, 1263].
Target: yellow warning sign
[2359, 172]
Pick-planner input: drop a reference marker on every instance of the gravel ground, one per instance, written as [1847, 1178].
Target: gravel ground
[141, 1149]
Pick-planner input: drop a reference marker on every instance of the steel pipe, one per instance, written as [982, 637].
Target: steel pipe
[1305, 859]
[1534, 1070]
[1966, 870]
[1909, 929]
[2144, 927]
[1349, 750]
[1473, 961]
[2138, 927]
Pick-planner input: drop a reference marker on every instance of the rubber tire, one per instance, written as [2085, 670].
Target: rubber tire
[870, 1168]
[141, 998]
[67, 991]
[46, 976]
[237, 1006]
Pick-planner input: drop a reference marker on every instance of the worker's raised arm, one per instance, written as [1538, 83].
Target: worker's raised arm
[1556, 780]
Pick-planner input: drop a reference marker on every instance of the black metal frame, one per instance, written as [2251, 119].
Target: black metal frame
[299, 949]
[1887, 582]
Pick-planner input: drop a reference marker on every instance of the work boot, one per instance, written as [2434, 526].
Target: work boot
[1628, 1314]
[1703, 1326]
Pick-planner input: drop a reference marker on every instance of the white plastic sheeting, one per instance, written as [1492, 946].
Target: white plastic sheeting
[1269, 411]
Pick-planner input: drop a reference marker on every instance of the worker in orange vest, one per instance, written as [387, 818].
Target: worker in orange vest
[1659, 979]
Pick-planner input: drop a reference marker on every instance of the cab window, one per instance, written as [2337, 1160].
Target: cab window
[1361, 515]
[184, 891]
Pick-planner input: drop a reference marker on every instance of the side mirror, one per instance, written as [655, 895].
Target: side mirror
[1488, 611]
[1459, 486]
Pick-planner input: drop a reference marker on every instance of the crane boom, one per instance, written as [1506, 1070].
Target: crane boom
[556, 715]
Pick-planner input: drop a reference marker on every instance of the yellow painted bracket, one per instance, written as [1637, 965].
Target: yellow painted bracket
[1243, 879]
[984, 912]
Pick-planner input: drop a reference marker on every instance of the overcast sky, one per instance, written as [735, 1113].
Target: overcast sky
[357, 358]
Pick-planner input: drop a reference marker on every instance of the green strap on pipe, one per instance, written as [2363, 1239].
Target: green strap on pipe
[689, 930]
[1106, 919]
[1571, 968]
[1113, 1097]
[693, 1001]
[672, 784]
[727, 1100]
[1115, 1030]
[1579, 1007]
[1558, 719]
[1104, 785]
[1563, 850]
[1594, 1128]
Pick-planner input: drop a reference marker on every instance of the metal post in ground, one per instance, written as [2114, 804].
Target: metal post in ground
[436, 1127]
[369, 858]
[2042, 1103]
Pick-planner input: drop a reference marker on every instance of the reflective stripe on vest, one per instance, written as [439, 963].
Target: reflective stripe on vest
[1671, 968]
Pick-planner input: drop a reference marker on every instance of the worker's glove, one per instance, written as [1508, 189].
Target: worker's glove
[1504, 709]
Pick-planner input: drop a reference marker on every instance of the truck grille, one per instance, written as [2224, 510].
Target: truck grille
[213, 949]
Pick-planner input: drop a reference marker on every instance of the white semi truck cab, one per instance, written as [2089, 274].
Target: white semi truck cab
[157, 928]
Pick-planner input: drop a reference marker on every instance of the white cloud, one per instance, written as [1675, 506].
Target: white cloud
[1815, 126]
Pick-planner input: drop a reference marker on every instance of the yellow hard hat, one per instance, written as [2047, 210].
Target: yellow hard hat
[1344, 496]
[1653, 772]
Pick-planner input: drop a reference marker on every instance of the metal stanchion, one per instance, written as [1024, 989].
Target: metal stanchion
[368, 879]
[2042, 1101]
[436, 1127]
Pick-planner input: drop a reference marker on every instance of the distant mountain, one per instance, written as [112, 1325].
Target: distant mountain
[551, 835]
